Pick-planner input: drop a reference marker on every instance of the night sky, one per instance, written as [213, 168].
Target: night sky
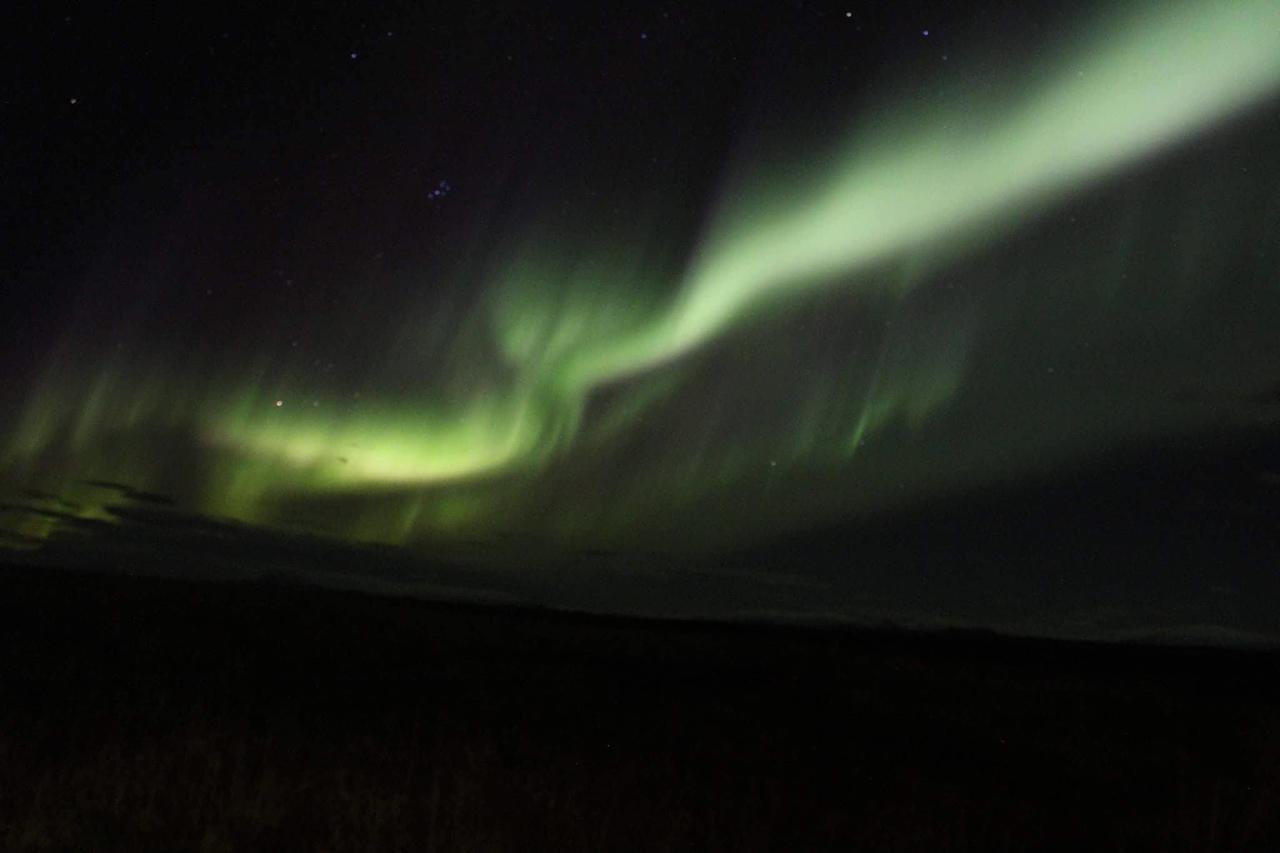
[580, 295]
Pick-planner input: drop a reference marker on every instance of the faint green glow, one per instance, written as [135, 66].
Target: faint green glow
[563, 330]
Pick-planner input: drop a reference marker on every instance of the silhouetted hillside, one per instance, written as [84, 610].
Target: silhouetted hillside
[148, 714]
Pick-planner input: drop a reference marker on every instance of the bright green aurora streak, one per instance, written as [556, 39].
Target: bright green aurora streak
[937, 183]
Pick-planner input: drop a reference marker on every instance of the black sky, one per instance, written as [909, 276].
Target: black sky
[389, 217]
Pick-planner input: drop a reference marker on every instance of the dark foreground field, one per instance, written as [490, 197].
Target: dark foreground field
[147, 714]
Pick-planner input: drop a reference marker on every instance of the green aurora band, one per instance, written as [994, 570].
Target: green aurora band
[922, 186]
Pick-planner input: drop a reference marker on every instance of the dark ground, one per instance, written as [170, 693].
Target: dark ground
[146, 714]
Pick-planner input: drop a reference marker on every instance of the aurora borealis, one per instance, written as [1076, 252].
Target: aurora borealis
[632, 323]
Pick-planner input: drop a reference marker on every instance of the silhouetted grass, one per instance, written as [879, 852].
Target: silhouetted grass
[144, 714]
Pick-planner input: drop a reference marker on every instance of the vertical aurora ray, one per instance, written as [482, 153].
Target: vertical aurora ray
[563, 331]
